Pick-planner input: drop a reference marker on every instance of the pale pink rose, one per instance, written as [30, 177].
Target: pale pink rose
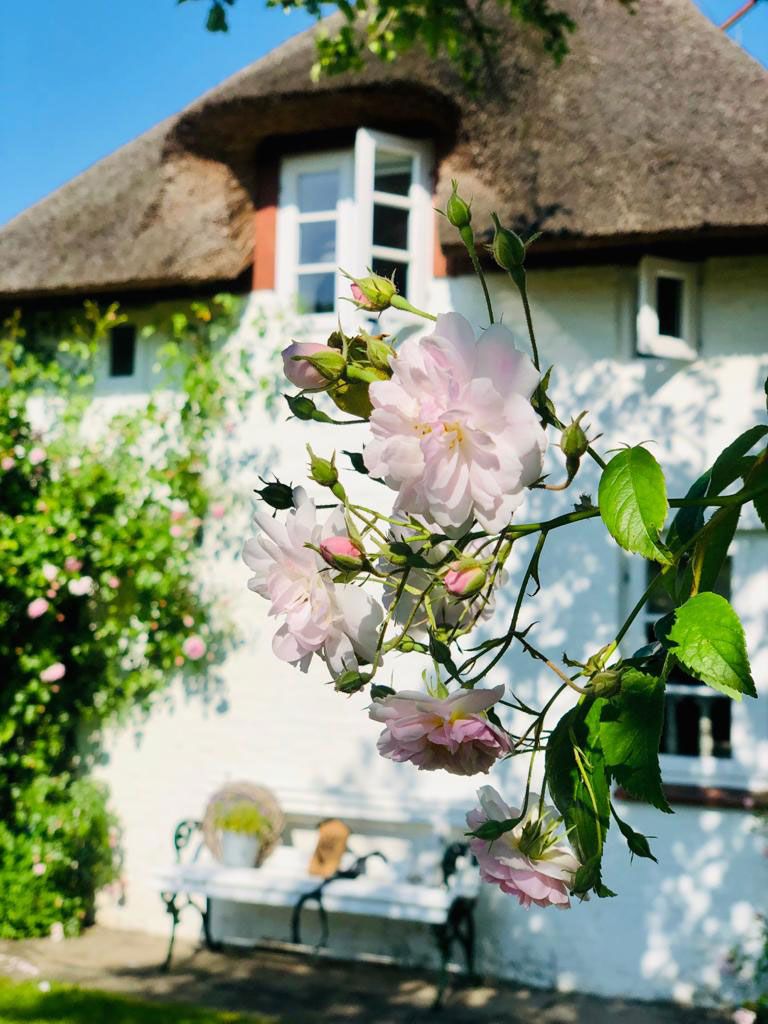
[743, 1016]
[37, 455]
[7, 462]
[37, 608]
[301, 373]
[188, 621]
[51, 592]
[50, 572]
[218, 511]
[454, 431]
[194, 647]
[81, 586]
[338, 622]
[341, 553]
[113, 582]
[38, 869]
[452, 732]
[178, 661]
[464, 581]
[179, 509]
[532, 861]
[72, 564]
[176, 530]
[53, 673]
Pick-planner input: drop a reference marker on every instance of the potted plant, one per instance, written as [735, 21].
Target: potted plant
[242, 827]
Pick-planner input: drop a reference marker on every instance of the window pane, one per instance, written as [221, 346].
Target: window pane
[387, 267]
[669, 306]
[721, 726]
[317, 242]
[393, 172]
[318, 190]
[317, 293]
[122, 350]
[390, 227]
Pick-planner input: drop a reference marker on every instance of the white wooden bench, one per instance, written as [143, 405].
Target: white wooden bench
[404, 864]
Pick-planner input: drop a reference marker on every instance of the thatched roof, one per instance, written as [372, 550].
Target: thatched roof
[653, 127]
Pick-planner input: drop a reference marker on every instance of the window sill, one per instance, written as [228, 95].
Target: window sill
[707, 796]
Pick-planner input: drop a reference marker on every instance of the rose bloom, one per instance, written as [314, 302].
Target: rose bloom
[113, 582]
[53, 673]
[441, 732]
[218, 510]
[37, 455]
[301, 373]
[81, 586]
[38, 869]
[72, 564]
[37, 608]
[50, 572]
[454, 430]
[194, 647]
[532, 862]
[176, 530]
[338, 622]
[7, 462]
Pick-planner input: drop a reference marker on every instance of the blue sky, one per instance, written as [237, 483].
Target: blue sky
[75, 86]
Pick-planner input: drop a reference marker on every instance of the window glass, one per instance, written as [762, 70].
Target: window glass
[669, 306]
[697, 721]
[317, 241]
[386, 268]
[318, 191]
[122, 350]
[317, 292]
[393, 172]
[390, 226]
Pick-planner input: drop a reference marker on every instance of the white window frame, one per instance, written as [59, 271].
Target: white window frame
[354, 219]
[749, 723]
[649, 341]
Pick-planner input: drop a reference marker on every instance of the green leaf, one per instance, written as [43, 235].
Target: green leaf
[688, 521]
[217, 18]
[709, 642]
[712, 548]
[578, 783]
[728, 465]
[638, 843]
[630, 733]
[633, 502]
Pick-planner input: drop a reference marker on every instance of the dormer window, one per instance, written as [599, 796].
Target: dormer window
[667, 316]
[369, 206]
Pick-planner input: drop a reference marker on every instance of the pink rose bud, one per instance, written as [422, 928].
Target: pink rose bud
[178, 661]
[465, 578]
[37, 455]
[8, 462]
[72, 564]
[194, 647]
[357, 292]
[113, 582]
[342, 553]
[218, 510]
[176, 530]
[302, 373]
[188, 621]
[373, 293]
[37, 608]
[38, 869]
[53, 673]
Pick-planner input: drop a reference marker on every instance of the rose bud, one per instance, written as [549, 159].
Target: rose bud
[507, 247]
[373, 293]
[573, 441]
[342, 553]
[465, 578]
[457, 210]
[351, 681]
[311, 366]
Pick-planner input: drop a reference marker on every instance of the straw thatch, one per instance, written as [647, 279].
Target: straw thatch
[654, 127]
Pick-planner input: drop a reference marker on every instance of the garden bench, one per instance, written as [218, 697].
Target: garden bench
[402, 866]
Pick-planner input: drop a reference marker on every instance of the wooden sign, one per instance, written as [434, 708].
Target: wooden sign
[332, 836]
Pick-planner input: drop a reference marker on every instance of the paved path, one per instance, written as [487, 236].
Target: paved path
[305, 990]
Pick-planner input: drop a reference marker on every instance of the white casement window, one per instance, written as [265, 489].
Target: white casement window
[369, 206]
[708, 739]
[667, 313]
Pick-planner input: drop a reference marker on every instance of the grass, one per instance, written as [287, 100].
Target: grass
[24, 1003]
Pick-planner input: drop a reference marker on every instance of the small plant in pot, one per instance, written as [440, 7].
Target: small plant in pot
[242, 827]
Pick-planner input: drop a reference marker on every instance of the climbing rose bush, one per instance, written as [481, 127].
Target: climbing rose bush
[457, 422]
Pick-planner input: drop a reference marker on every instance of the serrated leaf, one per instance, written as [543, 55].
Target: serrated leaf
[630, 733]
[638, 843]
[632, 499]
[709, 642]
[577, 779]
[727, 466]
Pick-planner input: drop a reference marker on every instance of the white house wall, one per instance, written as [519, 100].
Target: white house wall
[672, 923]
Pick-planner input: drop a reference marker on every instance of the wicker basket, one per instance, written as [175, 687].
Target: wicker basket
[238, 793]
